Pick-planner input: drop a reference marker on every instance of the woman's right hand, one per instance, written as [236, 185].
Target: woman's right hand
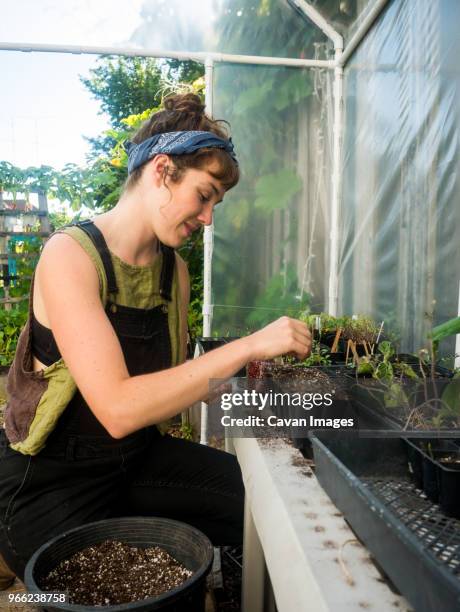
[285, 336]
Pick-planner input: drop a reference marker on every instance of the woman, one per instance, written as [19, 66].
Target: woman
[101, 359]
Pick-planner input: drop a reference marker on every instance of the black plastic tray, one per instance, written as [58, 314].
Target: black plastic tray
[366, 398]
[414, 542]
[439, 480]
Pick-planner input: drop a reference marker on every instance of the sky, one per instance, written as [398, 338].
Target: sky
[45, 111]
[44, 108]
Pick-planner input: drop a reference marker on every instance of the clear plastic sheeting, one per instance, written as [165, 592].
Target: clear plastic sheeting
[345, 16]
[242, 27]
[271, 233]
[400, 220]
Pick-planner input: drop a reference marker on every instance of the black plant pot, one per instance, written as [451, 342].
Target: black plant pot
[440, 479]
[415, 463]
[185, 543]
[337, 358]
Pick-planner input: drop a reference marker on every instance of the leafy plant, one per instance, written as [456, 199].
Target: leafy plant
[327, 323]
[361, 330]
[319, 356]
[11, 324]
[187, 432]
[449, 328]
[281, 296]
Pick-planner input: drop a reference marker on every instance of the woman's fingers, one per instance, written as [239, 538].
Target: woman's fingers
[281, 337]
[302, 346]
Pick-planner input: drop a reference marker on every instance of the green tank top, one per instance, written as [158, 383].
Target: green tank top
[37, 399]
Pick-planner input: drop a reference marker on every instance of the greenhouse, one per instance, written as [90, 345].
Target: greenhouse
[344, 115]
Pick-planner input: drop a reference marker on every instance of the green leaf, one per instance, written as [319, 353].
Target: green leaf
[395, 396]
[449, 328]
[451, 394]
[386, 349]
[365, 368]
[292, 91]
[253, 97]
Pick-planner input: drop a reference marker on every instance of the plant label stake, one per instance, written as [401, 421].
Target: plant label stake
[364, 343]
[352, 347]
[335, 344]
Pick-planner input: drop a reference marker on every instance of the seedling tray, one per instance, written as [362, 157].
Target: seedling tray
[414, 542]
[367, 397]
[439, 479]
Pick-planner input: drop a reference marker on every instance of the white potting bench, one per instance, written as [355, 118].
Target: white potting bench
[298, 550]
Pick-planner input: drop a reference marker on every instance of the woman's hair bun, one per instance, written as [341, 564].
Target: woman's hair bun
[184, 103]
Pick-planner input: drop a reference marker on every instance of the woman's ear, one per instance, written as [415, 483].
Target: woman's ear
[159, 168]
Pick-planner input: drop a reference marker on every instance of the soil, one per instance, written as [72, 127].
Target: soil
[309, 378]
[115, 573]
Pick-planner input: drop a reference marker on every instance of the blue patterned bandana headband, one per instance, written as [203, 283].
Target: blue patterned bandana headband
[174, 143]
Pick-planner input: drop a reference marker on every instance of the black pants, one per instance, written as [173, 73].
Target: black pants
[81, 479]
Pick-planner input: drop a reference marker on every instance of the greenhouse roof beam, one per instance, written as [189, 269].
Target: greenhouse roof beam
[362, 31]
[196, 56]
[319, 21]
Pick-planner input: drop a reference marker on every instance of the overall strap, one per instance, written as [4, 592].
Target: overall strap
[167, 271]
[167, 268]
[99, 242]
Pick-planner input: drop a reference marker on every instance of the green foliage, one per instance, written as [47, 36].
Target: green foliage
[387, 350]
[279, 298]
[451, 395]
[124, 85]
[360, 330]
[449, 328]
[192, 252]
[276, 190]
[328, 323]
[395, 396]
[178, 71]
[59, 219]
[318, 356]
[25, 267]
[11, 323]
[186, 431]
[16, 180]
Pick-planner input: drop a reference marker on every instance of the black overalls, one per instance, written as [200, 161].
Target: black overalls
[84, 475]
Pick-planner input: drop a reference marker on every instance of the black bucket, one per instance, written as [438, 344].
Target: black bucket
[186, 544]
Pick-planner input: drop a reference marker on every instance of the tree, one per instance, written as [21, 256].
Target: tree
[124, 86]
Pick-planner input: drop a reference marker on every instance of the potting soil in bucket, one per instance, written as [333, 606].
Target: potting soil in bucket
[113, 557]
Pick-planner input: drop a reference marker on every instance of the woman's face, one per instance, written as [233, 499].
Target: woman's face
[187, 206]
